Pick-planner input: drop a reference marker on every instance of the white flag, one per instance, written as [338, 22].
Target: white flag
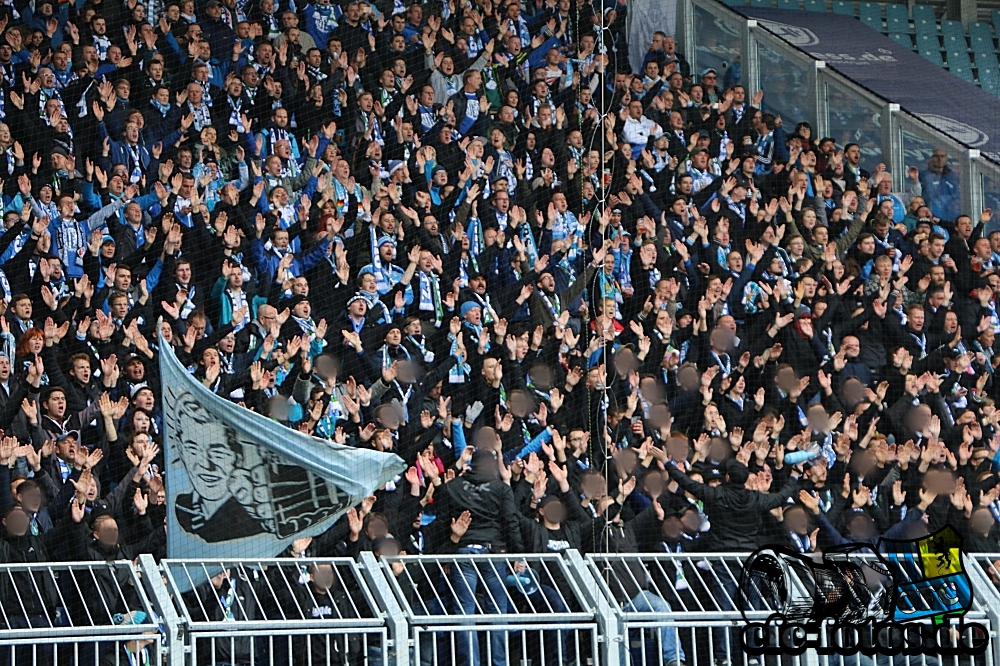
[240, 485]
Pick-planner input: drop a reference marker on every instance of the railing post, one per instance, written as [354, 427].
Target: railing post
[173, 626]
[748, 54]
[892, 146]
[685, 37]
[395, 618]
[820, 110]
[972, 193]
[612, 628]
[986, 594]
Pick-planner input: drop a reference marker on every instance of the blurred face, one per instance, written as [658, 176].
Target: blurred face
[553, 512]
[30, 499]
[981, 521]
[817, 417]
[796, 521]
[594, 486]
[16, 522]
[106, 532]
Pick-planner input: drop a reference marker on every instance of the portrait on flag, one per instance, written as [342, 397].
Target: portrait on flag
[240, 485]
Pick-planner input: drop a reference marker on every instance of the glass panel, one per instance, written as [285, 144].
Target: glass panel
[853, 120]
[785, 82]
[719, 43]
[991, 197]
[936, 166]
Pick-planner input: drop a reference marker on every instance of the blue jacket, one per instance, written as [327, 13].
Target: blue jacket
[942, 194]
[120, 150]
[267, 260]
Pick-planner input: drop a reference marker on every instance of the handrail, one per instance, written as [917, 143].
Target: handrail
[596, 609]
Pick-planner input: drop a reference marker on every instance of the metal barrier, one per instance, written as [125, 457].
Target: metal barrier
[986, 584]
[673, 606]
[685, 606]
[277, 612]
[62, 614]
[459, 610]
[528, 610]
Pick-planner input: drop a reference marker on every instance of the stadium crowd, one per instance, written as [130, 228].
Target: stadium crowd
[593, 308]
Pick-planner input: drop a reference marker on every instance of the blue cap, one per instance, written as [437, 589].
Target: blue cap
[386, 240]
[107, 239]
[467, 307]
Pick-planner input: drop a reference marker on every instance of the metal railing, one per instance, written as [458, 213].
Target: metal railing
[676, 606]
[986, 583]
[281, 612]
[703, 624]
[456, 610]
[523, 609]
[96, 613]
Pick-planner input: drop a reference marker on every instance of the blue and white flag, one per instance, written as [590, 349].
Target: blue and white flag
[240, 485]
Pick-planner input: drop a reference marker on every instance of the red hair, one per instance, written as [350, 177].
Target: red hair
[28, 336]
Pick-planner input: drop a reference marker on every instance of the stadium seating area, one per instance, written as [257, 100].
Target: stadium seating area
[968, 53]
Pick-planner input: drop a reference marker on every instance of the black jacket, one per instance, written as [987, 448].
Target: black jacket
[207, 604]
[24, 594]
[735, 511]
[490, 501]
[111, 584]
[578, 528]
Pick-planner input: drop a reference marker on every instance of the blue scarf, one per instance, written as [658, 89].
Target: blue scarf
[162, 108]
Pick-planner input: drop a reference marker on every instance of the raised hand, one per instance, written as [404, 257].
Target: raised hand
[809, 501]
[460, 525]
